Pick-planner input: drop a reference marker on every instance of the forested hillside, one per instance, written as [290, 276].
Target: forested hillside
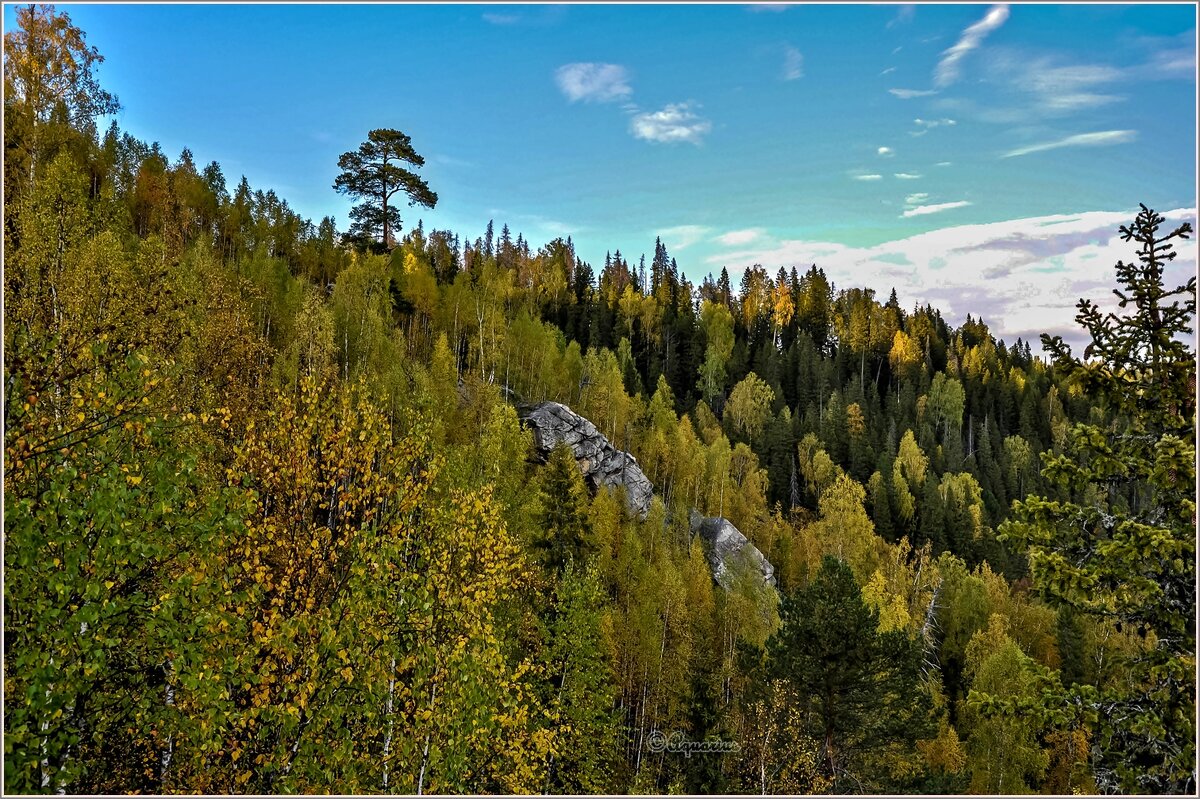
[272, 523]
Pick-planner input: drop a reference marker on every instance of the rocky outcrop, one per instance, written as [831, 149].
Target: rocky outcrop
[602, 464]
[728, 549]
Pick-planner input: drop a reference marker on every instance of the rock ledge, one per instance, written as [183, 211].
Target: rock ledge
[602, 464]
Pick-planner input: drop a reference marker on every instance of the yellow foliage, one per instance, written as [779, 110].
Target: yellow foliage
[892, 607]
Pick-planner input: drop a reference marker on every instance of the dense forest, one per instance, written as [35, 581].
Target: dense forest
[272, 523]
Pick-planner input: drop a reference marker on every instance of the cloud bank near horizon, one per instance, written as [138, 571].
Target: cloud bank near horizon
[1023, 276]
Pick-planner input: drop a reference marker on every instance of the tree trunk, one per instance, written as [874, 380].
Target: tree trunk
[387, 741]
[425, 751]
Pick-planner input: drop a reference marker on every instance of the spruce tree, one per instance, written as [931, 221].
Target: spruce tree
[1119, 542]
[564, 533]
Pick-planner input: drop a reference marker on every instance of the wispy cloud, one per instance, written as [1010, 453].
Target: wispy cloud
[916, 198]
[681, 237]
[793, 64]
[908, 94]
[674, 123]
[761, 8]
[449, 160]
[937, 208]
[867, 177]
[904, 13]
[1098, 139]
[1058, 88]
[907, 176]
[592, 82]
[1168, 61]
[886, 152]
[502, 19]
[943, 163]
[1022, 276]
[536, 225]
[949, 68]
[1041, 84]
[887, 71]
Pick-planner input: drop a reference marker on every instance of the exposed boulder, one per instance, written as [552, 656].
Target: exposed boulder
[602, 464]
[728, 549]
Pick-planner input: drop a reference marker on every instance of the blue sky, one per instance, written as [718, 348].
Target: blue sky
[974, 155]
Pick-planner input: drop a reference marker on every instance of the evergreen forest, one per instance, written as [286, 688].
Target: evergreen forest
[273, 522]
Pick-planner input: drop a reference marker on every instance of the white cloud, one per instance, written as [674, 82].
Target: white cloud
[1077, 101]
[943, 163]
[916, 198]
[885, 151]
[1022, 276]
[674, 123]
[793, 64]
[593, 82]
[681, 237]
[906, 176]
[927, 125]
[867, 177]
[759, 8]
[908, 94]
[888, 71]
[1098, 139]
[922, 210]
[949, 67]
[736, 238]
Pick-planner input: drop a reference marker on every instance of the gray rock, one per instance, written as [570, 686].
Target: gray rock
[728, 549]
[602, 464]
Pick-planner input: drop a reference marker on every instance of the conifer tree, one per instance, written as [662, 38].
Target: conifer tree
[564, 533]
[861, 687]
[1120, 545]
[373, 174]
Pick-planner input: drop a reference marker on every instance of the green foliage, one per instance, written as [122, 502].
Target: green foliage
[272, 525]
[1117, 541]
[1005, 752]
[582, 686]
[564, 532]
[104, 512]
[860, 688]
